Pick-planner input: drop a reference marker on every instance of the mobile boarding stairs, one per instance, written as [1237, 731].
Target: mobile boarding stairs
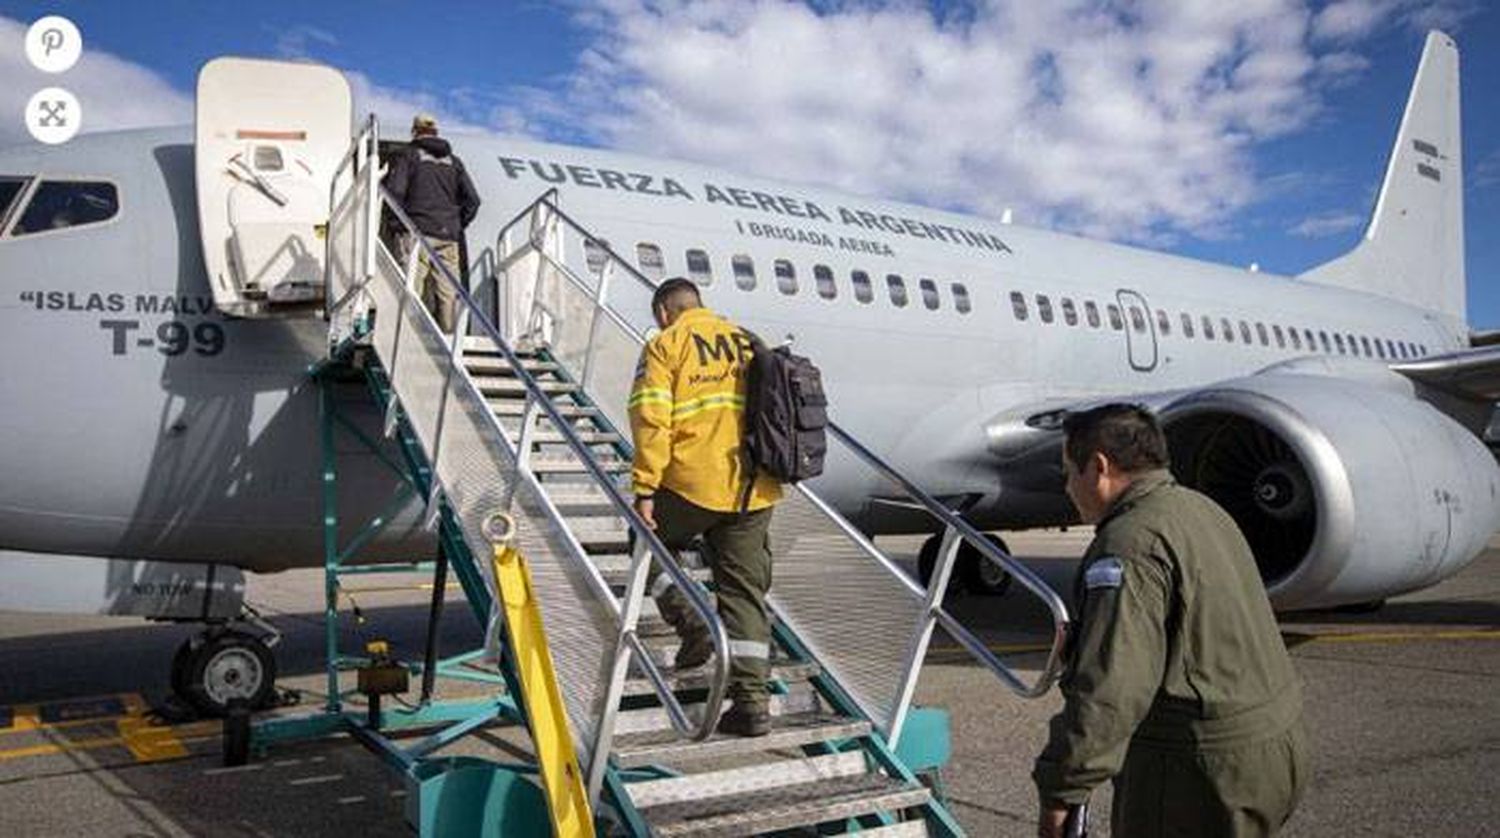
[513, 425]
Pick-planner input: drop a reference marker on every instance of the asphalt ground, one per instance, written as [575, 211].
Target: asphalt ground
[1401, 709]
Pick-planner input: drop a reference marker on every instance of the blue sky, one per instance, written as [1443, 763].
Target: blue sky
[1248, 132]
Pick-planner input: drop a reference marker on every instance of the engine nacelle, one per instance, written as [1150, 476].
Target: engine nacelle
[1348, 491]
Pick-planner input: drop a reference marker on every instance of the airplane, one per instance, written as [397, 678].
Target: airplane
[160, 423]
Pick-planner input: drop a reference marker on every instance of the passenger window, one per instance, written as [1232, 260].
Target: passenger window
[1390, 348]
[699, 270]
[649, 258]
[1245, 332]
[1091, 312]
[10, 190]
[595, 254]
[897, 287]
[1296, 338]
[1364, 341]
[1018, 305]
[1280, 338]
[1208, 328]
[1137, 320]
[1070, 311]
[744, 272]
[1187, 325]
[1260, 332]
[1116, 322]
[863, 291]
[1423, 348]
[57, 204]
[1380, 349]
[823, 278]
[1044, 308]
[786, 276]
[929, 293]
[1312, 345]
[961, 298]
[1163, 323]
[1323, 339]
[1226, 329]
[1338, 340]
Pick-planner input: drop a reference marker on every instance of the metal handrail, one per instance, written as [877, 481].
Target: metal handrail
[963, 530]
[644, 534]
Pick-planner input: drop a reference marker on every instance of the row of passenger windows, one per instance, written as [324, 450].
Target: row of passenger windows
[55, 204]
[742, 267]
[1222, 328]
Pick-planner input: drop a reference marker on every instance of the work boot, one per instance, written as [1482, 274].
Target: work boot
[745, 719]
[695, 651]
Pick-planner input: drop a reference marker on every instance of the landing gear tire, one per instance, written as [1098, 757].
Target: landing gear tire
[979, 574]
[216, 669]
[972, 572]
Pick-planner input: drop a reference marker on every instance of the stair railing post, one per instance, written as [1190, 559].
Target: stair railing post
[604, 733]
[937, 588]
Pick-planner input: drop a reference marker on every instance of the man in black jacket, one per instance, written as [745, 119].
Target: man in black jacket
[432, 186]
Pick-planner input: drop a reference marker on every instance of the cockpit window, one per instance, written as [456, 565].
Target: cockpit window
[10, 190]
[57, 204]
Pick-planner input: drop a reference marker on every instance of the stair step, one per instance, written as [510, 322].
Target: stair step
[571, 465]
[516, 407]
[615, 567]
[805, 804]
[496, 385]
[759, 777]
[541, 437]
[697, 679]
[498, 365]
[800, 700]
[639, 749]
[904, 829]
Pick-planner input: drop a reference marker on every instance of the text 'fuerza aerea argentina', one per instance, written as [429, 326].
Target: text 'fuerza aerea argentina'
[750, 199]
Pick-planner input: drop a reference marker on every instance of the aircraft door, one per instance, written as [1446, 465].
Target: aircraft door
[268, 138]
[1140, 331]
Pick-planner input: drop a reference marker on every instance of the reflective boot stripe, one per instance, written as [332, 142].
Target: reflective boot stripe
[756, 649]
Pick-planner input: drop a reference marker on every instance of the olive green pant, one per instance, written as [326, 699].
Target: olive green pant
[1238, 791]
[435, 292]
[738, 553]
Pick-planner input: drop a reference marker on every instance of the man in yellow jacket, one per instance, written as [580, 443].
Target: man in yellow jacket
[687, 413]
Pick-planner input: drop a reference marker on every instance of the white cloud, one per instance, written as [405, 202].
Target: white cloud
[300, 41]
[1487, 171]
[1355, 19]
[114, 93]
[1327, 224]
[1130, 121]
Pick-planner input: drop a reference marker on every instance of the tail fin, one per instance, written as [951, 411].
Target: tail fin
[1413, 250]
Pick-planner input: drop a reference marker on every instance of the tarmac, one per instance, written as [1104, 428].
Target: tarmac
[1401, 707]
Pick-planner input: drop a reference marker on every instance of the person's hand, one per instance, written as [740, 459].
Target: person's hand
[646, 508]
[1049, 824]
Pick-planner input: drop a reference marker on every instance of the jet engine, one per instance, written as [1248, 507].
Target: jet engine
[1349, 491]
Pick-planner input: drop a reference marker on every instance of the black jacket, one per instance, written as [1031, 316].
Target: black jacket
[432, 186]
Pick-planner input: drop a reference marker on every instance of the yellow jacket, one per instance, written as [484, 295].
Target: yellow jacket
[687, 412]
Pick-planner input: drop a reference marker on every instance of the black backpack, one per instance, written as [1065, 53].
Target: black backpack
[786, 417]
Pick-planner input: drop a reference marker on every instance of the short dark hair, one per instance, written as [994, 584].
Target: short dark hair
[676, 294]
[1128, 434]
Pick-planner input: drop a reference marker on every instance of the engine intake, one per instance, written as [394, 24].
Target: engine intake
[1347, 490]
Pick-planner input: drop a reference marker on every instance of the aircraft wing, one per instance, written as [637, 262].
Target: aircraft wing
[1472, 374]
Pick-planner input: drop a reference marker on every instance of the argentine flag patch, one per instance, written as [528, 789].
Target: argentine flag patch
[1104, 573]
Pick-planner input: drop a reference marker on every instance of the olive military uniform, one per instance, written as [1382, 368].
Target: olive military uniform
[1178, 684]
[687, 419]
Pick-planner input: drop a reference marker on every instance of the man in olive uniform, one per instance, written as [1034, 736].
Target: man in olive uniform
[1178, 685]
[687, 411]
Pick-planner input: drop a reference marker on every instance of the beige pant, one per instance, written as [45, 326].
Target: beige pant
[431, 288]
